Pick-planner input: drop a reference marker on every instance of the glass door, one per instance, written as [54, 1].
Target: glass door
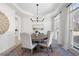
[57, 28]
[74, 25]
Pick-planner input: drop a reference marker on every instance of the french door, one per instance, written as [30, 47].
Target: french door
[57, 28]
[74, 28]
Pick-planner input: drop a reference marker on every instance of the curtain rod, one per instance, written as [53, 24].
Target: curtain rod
[57, 14]
[63, 9]
[68, 5]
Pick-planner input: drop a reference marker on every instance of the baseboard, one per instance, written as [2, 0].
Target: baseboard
[74, 51]
[9, 49]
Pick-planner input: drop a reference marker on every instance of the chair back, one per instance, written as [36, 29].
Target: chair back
[50, 38]
[26, 40]
[48, 33]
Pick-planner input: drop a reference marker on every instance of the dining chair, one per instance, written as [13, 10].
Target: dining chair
[47, 43]
[48, 33]
[26, 42]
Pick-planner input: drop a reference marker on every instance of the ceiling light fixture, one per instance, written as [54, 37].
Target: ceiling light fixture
[37, 18]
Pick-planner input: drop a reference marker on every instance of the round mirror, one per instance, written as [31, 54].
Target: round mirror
[4, 23]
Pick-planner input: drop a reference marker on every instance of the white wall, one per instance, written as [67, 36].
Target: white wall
[27, 25]
[7, 40]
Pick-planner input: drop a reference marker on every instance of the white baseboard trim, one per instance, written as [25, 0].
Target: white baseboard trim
[9, 49]
[74, 51]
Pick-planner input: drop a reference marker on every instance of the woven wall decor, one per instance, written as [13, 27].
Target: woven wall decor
[4, 23]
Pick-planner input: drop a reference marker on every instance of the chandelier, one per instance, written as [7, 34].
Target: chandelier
[37, 17]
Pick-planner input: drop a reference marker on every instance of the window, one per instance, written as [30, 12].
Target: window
[74, 14]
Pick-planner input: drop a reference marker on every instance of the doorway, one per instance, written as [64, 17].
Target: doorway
[74, 26]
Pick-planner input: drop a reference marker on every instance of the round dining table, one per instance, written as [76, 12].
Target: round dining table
[39, 37]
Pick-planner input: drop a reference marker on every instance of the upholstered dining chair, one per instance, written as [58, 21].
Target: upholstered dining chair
[47, 43]
[26, 42]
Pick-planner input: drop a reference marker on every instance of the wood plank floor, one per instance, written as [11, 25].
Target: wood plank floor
[57, 51]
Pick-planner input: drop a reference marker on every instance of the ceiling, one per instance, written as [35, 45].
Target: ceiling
[31, 8]
[42, 8]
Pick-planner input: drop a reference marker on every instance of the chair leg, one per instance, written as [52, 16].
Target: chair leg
[19, 51]
[51, 48]
[48, 51]
[31, 52]
[23, 50]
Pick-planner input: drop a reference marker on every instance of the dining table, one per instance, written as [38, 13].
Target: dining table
[38, 38]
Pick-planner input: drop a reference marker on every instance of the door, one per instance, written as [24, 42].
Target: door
[57, 28]
[74, 28]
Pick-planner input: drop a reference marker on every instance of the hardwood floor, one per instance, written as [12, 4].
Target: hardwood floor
[57, 51]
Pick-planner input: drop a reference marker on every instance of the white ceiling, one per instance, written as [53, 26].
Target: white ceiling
[43, 9]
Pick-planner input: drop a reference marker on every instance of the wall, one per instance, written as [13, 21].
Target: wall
[27, 25]
[7, 40]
